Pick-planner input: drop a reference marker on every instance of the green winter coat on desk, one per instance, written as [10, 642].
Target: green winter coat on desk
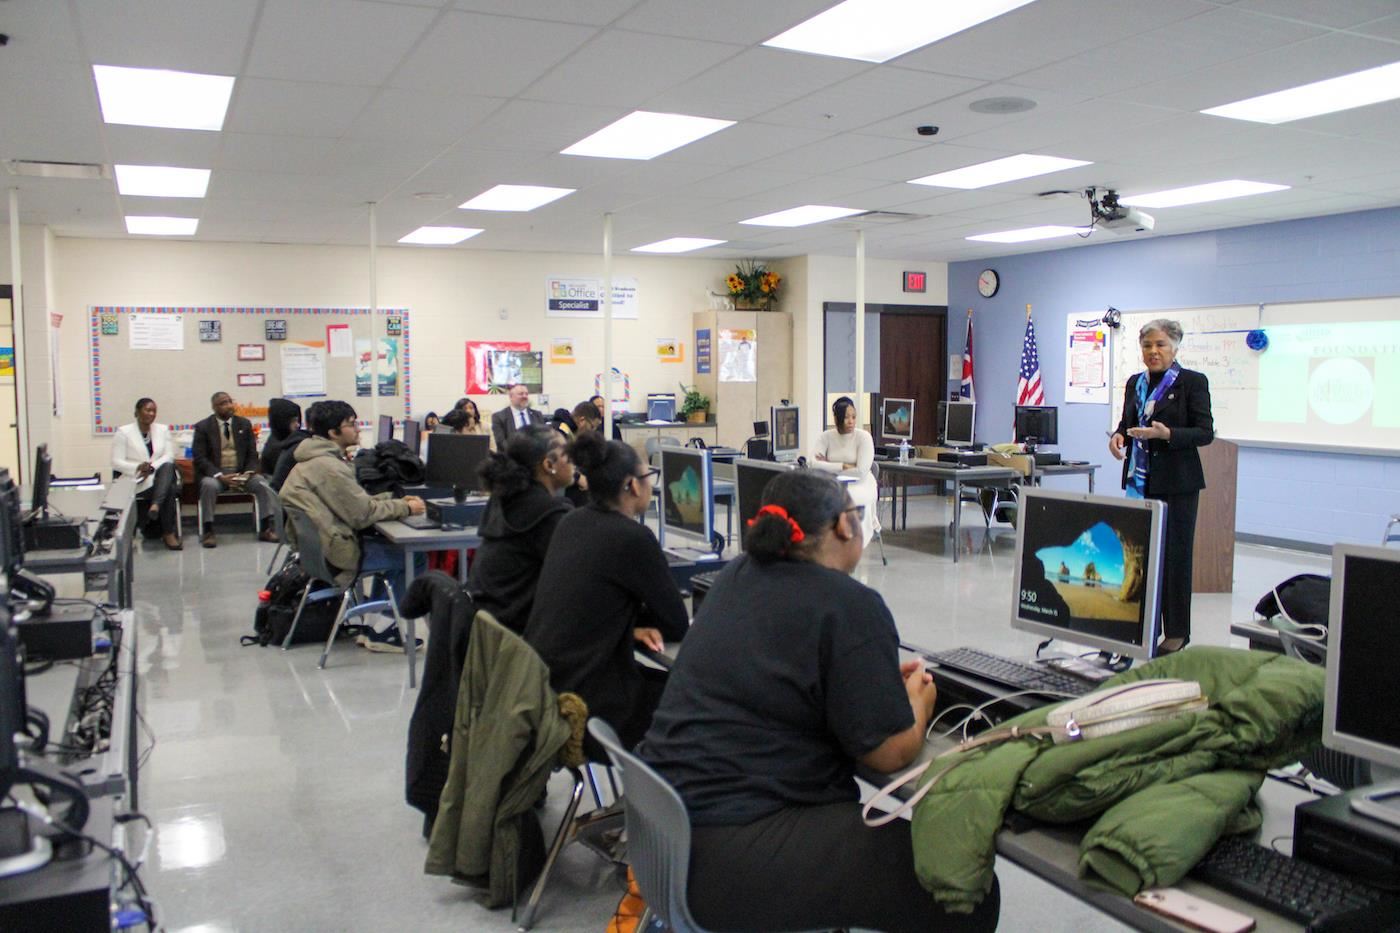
[1164, 793]
[509, 732]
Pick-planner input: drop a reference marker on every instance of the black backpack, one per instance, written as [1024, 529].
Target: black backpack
[389, 467]
[274, 615]
[1306, 599]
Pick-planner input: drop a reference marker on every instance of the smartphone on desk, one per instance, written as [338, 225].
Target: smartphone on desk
[1193, 911]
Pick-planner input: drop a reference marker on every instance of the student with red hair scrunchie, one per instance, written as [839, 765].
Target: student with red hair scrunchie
[788, 678]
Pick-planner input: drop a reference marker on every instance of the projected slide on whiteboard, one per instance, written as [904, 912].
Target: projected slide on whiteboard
[1329, 377]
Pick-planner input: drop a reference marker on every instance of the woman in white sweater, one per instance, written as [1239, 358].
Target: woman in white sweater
[850, 451]
[143, 450]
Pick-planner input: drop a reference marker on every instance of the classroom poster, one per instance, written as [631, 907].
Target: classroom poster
[388, 367]
[738, 355]
[340, 341]
[1086, 360]
[582, 296]
[561, 350]
[669, 350]
[303, 371]
[486, 357]
[156, 332]
[7, 364]
[702, 350]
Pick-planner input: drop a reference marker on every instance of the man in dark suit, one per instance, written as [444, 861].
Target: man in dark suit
[519, 414]
[226, 459]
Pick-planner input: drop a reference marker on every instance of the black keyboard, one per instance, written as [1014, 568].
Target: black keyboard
[1301, 891]
[1015, 674]
[706, 579]
[423, 522]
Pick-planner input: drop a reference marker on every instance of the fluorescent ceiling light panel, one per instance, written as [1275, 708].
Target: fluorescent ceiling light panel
[515, 198]
[179, 100]
[677, 244]
[997, 171]
[1199, 194]
[439, 236]
[162, 226]
[1309, 100]
[802, 216]
[879, 30]
[643, 134]
[161, 181]
[1026, 234]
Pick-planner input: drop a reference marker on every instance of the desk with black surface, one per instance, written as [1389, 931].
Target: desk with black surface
[940, 472]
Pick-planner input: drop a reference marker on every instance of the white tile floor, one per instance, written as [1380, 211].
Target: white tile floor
[277, 789]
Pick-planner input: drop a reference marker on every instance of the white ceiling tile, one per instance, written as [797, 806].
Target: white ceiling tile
[52, 117]
[754, 82]
[874, 95]
[625, 69]
[848, 152]
[1336, 14]
[588, 12]
[955, 120]
[176, 34]
[542, 127]
[253, 152]
[422, 116]
[745, 143]
[1387, 28]
[741, 21]
[1044, 32]
[41, 36]
[342, 41]
[1070, 127]
[491, 56]
[146, 145]
[295, 108]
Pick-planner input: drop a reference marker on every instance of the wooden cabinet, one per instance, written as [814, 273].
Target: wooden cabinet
[734, 405]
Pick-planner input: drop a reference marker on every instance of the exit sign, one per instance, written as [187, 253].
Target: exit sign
[916, 281]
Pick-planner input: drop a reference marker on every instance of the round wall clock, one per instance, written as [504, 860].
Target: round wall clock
[988, 283]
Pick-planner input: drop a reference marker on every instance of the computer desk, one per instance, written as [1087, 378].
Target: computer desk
[944, 472]
[1051, 852]
[1261, 635]
[421, 540]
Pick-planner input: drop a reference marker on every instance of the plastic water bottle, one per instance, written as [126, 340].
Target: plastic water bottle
[903, 450]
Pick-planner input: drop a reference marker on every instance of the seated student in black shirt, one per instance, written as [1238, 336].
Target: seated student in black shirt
[519, 522]
[605, 586]
[788, 678]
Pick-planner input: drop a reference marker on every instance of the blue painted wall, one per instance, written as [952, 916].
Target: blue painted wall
[1313, 497]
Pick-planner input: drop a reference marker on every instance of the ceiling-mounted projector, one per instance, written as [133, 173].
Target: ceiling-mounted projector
[1114, 217]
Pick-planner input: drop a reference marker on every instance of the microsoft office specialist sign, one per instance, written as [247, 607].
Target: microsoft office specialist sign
[582, 296]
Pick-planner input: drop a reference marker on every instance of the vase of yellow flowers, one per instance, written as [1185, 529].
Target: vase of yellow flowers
[752, 287]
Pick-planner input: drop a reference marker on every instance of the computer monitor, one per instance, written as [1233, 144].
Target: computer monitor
[751, 477]
[958, 428]
[1088, 569]
[1039, 424]
[453, 460]
[386, 429]
[760, 429]
[413, 435]
[897, 419]
[11, 534]
[43, 475]
[687, 493]
[786, 423]
[941, 420]
[1359, 714]
[661, 407]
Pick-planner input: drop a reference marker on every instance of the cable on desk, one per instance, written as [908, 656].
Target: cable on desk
[1273, 844]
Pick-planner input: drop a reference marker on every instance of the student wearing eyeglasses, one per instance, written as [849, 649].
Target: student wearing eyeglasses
[605, 586]
[788, 679]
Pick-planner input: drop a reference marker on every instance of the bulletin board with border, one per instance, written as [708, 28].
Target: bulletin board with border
[182, 381]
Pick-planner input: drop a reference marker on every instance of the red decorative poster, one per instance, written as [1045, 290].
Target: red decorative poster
[480, 377]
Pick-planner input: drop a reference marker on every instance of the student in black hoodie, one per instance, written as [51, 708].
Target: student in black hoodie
[519, 521]
[284, 421]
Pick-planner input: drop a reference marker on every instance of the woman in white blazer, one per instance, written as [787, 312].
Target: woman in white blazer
[143, 449]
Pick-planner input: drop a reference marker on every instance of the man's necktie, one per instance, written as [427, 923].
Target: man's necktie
[227, 436]
[521, 420]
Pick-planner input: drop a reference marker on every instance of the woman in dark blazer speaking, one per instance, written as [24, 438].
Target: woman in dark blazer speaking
[1166, 416]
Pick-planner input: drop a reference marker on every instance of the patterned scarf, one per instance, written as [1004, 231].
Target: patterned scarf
[1146, 406]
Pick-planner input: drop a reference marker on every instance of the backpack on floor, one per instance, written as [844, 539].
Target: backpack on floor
[277, 605]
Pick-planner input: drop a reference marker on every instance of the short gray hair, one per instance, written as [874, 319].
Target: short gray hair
[1164, 326]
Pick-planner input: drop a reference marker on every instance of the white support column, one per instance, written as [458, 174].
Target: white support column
[22, 348]
[373, 317]
[607, 326]
[860, 323]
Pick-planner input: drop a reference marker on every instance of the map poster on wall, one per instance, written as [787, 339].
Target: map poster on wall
[738, 355]
[388, 367]
[156, 332]
[582, 296]
[481, 375]
[303, 370]
[1086, 360]
[702, 350]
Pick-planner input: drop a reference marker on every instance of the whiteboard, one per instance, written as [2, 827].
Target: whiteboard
[1329, 377]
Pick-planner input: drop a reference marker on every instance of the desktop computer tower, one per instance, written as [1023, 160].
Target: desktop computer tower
[52, 534]
[758, 448]
[1328, 832]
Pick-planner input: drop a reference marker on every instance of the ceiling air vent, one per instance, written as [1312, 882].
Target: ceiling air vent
[877, 219]
[37, 168]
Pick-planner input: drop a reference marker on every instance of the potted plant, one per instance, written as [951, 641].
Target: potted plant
[752, 286]
[695, 407]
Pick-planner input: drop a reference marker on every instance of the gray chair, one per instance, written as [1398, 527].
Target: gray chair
[879, 531]
[352, 604]
[279, 523]
[654, 444]
[234, 494]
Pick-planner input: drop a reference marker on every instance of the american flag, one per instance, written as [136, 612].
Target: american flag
[965, 390]
[1029, 391]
